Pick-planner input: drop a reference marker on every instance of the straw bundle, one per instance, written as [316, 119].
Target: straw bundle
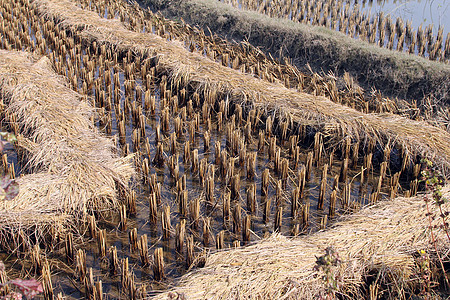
[184, 68]
[75, 169]
[381, 239]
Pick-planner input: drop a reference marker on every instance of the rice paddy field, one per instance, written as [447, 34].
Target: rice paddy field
[321, 48]
[355, 21]
[158, 158]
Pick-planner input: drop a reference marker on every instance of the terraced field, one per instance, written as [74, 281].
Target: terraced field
[394, 73]
[148, 149]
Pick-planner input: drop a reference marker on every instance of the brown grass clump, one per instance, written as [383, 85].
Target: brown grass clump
[381, 241]
[75, 169]
[184, 67]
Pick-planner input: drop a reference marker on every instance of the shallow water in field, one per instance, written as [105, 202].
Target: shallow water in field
[175, 262]
[419, 12]
[432, 14]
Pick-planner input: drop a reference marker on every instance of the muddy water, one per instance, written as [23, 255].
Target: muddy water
[175, 262]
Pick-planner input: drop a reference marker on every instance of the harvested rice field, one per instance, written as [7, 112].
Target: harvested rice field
[156, 159]
[324, 49]
[346, 17]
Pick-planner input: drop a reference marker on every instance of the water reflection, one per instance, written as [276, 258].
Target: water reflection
[417, 11]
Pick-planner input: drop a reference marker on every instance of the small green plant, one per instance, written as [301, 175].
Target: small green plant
[434, 182]
[423, 262]
[327, 263]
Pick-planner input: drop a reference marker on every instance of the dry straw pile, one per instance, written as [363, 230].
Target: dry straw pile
[73, 168]
[382, 241]
[184, 67]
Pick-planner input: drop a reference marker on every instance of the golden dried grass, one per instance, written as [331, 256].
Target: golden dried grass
[75, 169]
[380, 240]
[335, 120]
